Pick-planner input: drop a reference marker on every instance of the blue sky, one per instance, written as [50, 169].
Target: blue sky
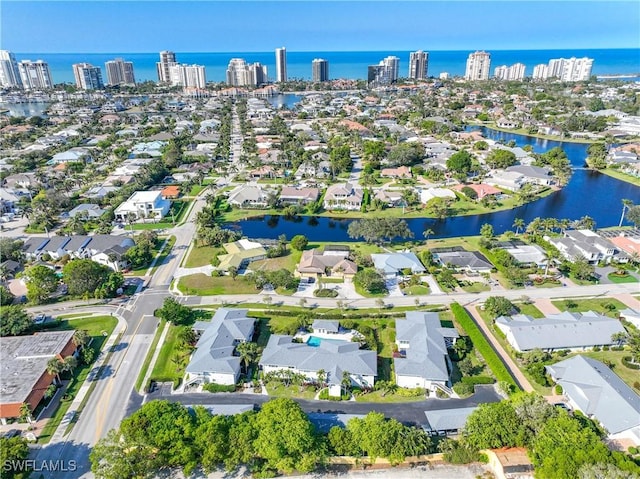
[232, 26]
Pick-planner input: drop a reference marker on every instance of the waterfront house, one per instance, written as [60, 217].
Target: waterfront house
[240, 253]
[248, 196]
[343, 196]
[290, 195]
[537, 175]
[481, 189]
[587, 244]
[395, 264]
[460, 259]
[316, 264]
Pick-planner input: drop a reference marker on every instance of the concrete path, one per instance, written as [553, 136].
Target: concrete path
[433, 284]
[628, 300]
[546, 306]
[511, 365]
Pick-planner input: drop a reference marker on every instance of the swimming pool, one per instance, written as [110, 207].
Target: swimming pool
[315, 341]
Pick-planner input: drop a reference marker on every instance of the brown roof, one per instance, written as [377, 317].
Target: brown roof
[169, 191]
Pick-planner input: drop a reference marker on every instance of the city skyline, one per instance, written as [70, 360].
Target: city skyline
[201, 26]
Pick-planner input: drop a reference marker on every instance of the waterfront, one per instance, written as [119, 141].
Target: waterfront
[587, 193]
[344, 64]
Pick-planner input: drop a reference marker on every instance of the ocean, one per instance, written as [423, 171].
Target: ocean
[348, 65]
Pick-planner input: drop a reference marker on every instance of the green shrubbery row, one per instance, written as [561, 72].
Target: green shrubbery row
[493, 361]
[219, 388]
[626, 360]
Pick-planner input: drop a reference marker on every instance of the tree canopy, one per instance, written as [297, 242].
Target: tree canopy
[42, 282]
[379, 229]
[299, 242]
[174, 312]
[460, 162]
[86, 276]
[15, 320]
[500, 158]
[370, 280]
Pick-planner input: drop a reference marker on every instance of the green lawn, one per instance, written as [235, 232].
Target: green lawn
[607, 306]
[629, 376]
[202, 256]
[367, 294]
[277, 389]
[171, 359]
[416, 290]
[380, 397]
[629, 278]
[529, 309]
[288, 262]
[166, 251]
[142, 270]
[203, 285]
[147, 359]
[99, 328]
[620, 175]
[177, 211]
[476, 287]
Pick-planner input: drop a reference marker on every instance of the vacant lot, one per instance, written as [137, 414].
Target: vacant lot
[203, 285]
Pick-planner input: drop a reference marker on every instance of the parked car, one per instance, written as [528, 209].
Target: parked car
[39, 319]
[11, 433]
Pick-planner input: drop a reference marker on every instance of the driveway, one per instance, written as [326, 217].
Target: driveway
[305, 289]
[546, 306]
[393, 287]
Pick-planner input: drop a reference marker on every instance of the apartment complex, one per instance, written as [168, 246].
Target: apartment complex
[564, 69]
[35, 75]
[418, 65]
[167, 60]
[9, 73]
[384, 73]
[319, 70]
[514, 72]
[187, 76]
[478, 66]
[120, 72]
[281, 64]
[239, 73]
[87, 76]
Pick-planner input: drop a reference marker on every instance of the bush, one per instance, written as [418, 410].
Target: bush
[325, 293]
[324, 394]
[491, 358]
[596, 349]
[558, 389]
[463, 389]
[219, 388]
[473, 380]
[633, 450]
[626, 360]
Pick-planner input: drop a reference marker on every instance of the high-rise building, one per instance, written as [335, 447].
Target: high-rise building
[281, 64]
[9, 73]
[87, 76]
[384, 73]
[540, 72]
[237, 72]
[556, 66]
[418, 65]
[319, 70]
[514, 73]
[393, 65]
[478, 65]
[188, 76]
[167, 60]
[35, 75]
[120, 72]
[258, 74]
[576, 69]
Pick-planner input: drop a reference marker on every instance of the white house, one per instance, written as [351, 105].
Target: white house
[143, 204]
[422, 343]
[585, 243]
[343, 196]
[428, 194]
[214, 360]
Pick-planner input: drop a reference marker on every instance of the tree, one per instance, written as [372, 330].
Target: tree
[370, 280]
[299, 242]
[114, 457]
[14, 452]
[248, 352]
[41, 283]
[377, 437]
[406, 154]
[342, 443]
[500, 158]
[633, 215]
[466, 366]
[498, 306]
[486, 231]
[233, 272]
[54, 367]
[69, 364]
[626, 204]
[173, 312]
[518, 224]
[15, 321]
[603, 471]
[6, 298]
[379, 229]
[322, 377]
[439, 207]
[87, 276]
[581, 268]
[492, 425]
[426, 233]
[597, 156]
[80, 338]
[460, 162]
[210, 438]
[286, 439]
[533, 411]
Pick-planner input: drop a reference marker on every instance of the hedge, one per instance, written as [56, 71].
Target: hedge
[626, 360]
[494, 362]
[219, 388]
[473, 380]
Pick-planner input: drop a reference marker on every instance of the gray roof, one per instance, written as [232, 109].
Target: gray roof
[23, 360]
[427, 351]
[215, 348]
[393, 263]
[325, 421]
[448, 419]
[559, 331]
[333, 357]
[76, 243]
[598, 392]
[333, 326]
[225, 409]
[93, 211]
[471, 260]
[540, 172]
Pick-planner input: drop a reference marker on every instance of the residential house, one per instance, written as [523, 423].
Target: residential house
[24, 378]
[428, 194]
[575, 331]
[324, 327]
[593, 389]
[290, 195]
[459, 258]
[631, 315]
[480, 189]
[422, 343]
[170, 192]
[335, 358]
[627, 243]
[240, 253]
[508, 180]
[215, 359]
[315, 264]
[314, 169]
[400, 172]
[86, 210]
[525, 254]
[390, 198]
[142, 205]
[394, 264]
[248, 196]
[343, 196]
[77, 154]
[507, 124]
[587, 244]
[537, 175]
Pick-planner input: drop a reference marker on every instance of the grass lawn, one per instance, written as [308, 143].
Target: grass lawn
[203, 285]
[476, 287]
[325, 280]
[99, 328]
[366, 294]
[629, 376]
[72, 316]
[147, 360]
[530, 310]
[171, 359]
[166, 251]
[416, 290]
[614, 278]
[277, 389]
[599, 305]
[202, 256]
[377, 397]
[178, 210]
[288, 262]
[620, 175]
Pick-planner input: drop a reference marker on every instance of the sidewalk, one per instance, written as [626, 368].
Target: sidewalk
[58, 436]
[154, 358]
[545, 306]
[628, 300]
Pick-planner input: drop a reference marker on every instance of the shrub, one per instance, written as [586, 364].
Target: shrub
[219, 388]
[216, 273]
[636, 384]
[596, 349]
[633, 450]
[493, 361]
[463, 389]
[626, 360]
[325, 293]
[558, 389]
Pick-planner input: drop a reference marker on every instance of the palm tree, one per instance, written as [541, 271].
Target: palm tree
[322, 377]
[518, 224]
[426, 233]
[626, 204]
[26, 413]
[619, 338]
[346, 381]
[69, 363]
[80, 338]
[131, 218]
[55, 367]
[248, 352]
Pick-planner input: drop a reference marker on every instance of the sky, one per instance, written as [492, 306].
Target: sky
[90, 26]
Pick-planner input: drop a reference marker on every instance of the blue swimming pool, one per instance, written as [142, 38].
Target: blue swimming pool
[315, 341]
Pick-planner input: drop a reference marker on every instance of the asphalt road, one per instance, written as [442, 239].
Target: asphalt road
[407, 413]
